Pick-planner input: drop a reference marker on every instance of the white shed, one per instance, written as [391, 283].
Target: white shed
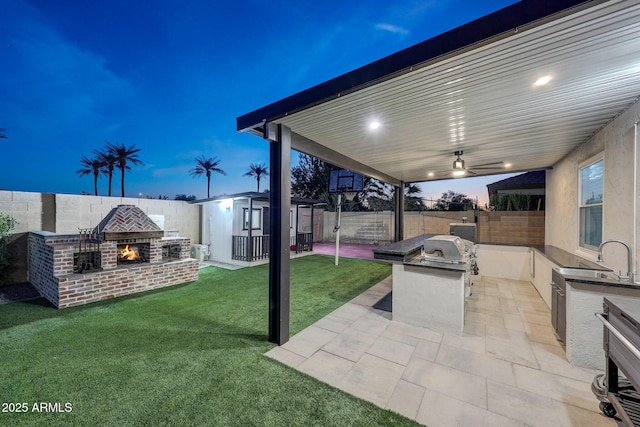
[236, 236]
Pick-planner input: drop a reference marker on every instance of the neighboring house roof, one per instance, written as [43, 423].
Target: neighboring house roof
[525, 181]
[260, 196]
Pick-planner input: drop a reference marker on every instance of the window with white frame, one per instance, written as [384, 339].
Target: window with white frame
[591, 176]
[256, 219]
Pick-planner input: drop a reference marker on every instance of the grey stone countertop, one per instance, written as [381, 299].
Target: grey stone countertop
[566, 259]
[398, 250]
[630, 308]
[571, 280]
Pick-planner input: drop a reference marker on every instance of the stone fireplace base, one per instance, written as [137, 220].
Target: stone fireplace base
[51, 269]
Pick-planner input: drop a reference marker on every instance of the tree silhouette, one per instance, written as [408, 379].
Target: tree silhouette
[453, 201]
[205, 166]
[108, 163]
[91, 166]
[258, 171]
[125, 156]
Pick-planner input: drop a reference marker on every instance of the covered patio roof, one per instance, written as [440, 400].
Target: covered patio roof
[472, 89]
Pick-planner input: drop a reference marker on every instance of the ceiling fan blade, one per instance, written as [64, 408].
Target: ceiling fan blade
[488, 165]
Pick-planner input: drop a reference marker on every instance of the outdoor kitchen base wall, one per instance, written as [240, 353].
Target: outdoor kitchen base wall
[51, 270]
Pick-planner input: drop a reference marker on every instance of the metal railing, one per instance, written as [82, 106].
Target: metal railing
[241, 250]
[304, 243]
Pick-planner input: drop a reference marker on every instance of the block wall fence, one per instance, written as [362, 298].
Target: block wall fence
[65, 213]
[500, 227]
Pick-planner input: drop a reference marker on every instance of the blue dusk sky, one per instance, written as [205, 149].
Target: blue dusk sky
[172, 76]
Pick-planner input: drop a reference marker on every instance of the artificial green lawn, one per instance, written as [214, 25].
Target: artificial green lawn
[187, 355]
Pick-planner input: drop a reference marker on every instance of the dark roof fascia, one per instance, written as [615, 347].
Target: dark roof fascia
[529, 180]
[536, 178]
[513, 19]
[495, 188]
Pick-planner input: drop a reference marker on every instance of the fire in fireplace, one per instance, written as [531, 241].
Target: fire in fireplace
[133, 253]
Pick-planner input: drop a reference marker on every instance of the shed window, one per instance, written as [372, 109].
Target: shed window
[255, 219]
[590, 203]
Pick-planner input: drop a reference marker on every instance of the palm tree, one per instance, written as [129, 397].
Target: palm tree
[124, 156]
[258, 171]
[108, 161]
[205, 166]
[91, 166]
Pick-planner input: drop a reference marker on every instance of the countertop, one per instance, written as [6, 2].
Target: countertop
[402, 251]
[601, 282]
[566, 259]
[630, 308]
[398, 250]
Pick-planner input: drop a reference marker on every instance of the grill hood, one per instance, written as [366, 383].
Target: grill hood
[445, 246]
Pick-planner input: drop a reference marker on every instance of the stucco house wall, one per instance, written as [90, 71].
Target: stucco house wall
[217, 229]
[616, 141]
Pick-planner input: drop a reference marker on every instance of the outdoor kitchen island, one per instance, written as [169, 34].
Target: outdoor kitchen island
[429, 291]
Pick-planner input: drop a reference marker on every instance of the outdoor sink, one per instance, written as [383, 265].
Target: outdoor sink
[589, 274]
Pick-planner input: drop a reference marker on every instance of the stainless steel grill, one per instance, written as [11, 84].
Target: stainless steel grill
[448, 249]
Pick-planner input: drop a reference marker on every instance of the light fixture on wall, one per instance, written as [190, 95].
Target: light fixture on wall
[226, 204]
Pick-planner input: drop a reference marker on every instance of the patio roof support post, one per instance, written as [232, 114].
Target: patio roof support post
[297, 225]
[279, 137]
[399, 214]
[249, 232]
[312, 227]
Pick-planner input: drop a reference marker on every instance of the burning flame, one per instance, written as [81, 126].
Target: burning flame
[128, 253]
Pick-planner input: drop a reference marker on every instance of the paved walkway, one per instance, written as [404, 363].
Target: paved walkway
[507, 369]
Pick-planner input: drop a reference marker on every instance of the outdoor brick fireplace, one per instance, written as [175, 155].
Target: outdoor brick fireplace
[126, 253]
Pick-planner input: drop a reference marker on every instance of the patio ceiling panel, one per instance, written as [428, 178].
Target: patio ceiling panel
[482, 100]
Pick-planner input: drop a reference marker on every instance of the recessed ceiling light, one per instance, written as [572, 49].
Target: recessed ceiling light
[543, 81]
[507, 165]
[430, 174]
[374, 125]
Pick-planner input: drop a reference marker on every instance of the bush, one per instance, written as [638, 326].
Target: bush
[7, 223]
[510, 202]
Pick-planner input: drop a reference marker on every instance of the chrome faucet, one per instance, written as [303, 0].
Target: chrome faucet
[629, 275]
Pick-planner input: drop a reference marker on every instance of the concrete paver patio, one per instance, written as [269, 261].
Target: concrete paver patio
[507, 369]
